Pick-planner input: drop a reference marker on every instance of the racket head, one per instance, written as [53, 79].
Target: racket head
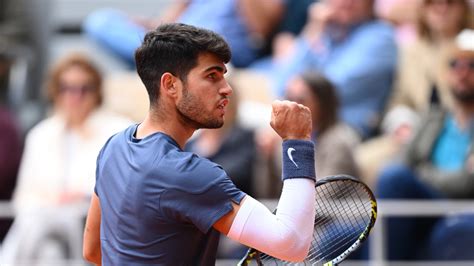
[346, 211]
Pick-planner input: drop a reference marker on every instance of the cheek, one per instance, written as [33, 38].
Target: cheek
[433, 16]
[90, 103]
[453, 16]
[471, 79]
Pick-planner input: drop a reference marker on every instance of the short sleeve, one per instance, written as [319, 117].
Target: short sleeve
[201, 207]
[98, 165]
[97, 171]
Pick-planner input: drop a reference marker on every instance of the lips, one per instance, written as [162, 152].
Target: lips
[223, 103]
[221, 106]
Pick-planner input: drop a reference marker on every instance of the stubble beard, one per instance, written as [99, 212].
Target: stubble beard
[465, 96]
[193, 113]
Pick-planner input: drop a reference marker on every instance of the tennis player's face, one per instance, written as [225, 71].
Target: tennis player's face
[205, 94]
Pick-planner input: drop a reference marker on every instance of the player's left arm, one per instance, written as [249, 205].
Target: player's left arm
[91, 247]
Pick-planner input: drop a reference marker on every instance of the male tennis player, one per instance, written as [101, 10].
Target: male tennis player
[156, 204]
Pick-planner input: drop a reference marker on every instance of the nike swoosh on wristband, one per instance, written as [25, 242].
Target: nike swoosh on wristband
[289, 151]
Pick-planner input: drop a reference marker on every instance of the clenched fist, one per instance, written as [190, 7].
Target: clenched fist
[291, 120]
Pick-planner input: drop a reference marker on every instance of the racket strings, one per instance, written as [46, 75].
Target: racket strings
[343, 211]
[345, 224]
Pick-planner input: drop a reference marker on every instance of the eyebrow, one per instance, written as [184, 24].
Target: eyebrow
[217, 68]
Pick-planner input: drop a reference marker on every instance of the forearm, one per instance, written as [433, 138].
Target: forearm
[174, 12]
[287, 234]
[300, 58]
[261, 16]
[459, 184]
[91, 243]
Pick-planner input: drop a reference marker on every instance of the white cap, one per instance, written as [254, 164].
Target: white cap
[465, 40]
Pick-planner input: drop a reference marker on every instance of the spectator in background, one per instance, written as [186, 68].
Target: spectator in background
[295, 17]
[402, 14]
[10, 155]
[439, 162]
[354, 50]
[423, 64]
[24, 37]
[67, 142]
[245, 24]
[58, 164]
[421, 80]
[333, 138]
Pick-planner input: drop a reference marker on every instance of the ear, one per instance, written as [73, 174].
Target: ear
[168, 84]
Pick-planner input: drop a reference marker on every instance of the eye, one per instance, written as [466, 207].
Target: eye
[212, 76]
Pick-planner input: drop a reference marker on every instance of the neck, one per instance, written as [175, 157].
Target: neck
[159, 121]
[74, 122]
[441, 37]
[463, 114]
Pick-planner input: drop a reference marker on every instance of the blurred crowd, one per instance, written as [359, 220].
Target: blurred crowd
[390, 85]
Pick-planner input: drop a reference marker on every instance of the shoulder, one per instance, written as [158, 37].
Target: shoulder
[108, 121]
[378, 25]
[189, 172]
[376, 32]
[50, 126]
[116, 140]
[434, 115]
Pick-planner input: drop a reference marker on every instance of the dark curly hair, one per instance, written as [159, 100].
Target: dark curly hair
[175, 48]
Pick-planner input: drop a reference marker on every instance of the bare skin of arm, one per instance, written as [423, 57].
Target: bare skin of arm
[261, 16]
[289, 119]
[170, 15]
[91, 248]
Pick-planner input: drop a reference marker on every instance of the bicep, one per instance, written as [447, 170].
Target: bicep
[225, 222]
[91, 248]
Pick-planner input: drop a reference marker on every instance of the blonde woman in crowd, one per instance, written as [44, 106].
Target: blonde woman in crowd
[423, 64]
[58, 164]
[421, 79]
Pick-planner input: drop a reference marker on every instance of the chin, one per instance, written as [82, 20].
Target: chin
[213, 124]
[219, 125]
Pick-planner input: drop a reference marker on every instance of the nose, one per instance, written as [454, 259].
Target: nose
[226, 89]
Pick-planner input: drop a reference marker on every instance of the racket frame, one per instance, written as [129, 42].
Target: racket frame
[253, 254]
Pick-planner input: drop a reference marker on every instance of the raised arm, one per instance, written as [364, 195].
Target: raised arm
[91, 247]
[286, 234]
[262, 16]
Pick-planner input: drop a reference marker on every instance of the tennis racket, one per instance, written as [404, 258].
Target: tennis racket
[346, 210]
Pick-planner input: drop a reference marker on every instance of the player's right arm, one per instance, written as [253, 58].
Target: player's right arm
[91, 247]
[286, 234]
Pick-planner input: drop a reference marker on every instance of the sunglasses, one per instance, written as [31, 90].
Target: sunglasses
[74, 89]
[459, 63]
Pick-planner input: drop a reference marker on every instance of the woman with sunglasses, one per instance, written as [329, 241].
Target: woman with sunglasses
[57, 169]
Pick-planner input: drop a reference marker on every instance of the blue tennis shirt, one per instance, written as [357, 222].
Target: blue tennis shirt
[158, 202]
